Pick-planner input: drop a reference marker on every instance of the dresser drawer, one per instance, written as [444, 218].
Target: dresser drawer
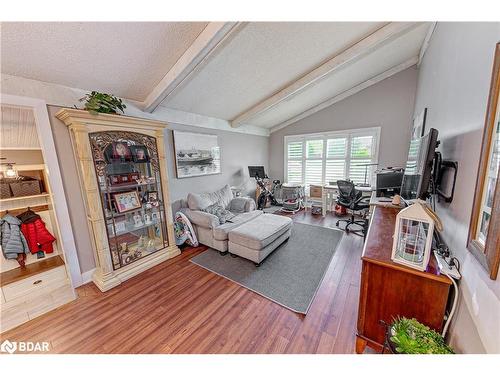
[49, 279]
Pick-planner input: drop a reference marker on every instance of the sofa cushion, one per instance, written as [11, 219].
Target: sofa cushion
[203, 219]
[201, 201]
[221, 232]
[222, 214]
[257, 234]
[242, 204]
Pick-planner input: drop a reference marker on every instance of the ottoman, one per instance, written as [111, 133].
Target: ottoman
[256, 239]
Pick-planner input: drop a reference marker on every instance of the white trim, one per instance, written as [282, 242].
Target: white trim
[175, 116]
[44, 130]
[354, 90]
[366, 45]
[349, 133]
[193, 59]
[426, 42]
[87, 276]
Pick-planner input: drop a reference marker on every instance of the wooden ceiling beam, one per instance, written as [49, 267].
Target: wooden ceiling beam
[210, 39]
[375, 40]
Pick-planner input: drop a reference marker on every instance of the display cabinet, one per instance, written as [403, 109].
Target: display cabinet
[124, 181]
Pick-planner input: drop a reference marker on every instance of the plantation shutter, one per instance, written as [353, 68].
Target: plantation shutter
[314, 162]
[295, 162]
[362, 151]
[336, 150]
[326, 158]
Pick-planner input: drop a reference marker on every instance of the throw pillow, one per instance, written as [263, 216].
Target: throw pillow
[222, 214]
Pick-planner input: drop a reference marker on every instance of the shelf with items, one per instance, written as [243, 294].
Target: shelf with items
[128, 176]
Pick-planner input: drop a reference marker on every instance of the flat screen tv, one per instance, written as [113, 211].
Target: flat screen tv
[418, 171]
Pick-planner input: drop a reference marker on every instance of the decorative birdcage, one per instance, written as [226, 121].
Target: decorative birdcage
[412, 244]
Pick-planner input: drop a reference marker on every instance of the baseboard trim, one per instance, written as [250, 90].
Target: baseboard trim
[87, 276]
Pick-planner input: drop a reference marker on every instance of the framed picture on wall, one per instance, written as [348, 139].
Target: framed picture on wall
[419, 125]
[196, 154]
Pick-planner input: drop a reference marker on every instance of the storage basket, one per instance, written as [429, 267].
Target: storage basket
[25, 186]
[5, 189]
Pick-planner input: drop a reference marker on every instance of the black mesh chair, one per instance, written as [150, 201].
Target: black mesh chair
[353, 200]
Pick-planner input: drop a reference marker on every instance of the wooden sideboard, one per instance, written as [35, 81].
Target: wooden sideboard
[389, 290]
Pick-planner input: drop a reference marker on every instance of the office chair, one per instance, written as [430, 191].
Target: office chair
[353, 200]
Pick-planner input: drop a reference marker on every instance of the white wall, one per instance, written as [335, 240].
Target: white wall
[453, 82]
[388, 104]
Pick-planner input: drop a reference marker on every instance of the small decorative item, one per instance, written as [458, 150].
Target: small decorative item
[151, 245]
[123, 247]
[98, 102]
[396, 200]
[147, 219]
[413, 235]
[155, 216]
[127, 201]
[140, 242]
[196, 154]
[152, 196]
[121, 151]
[138, 220]
[140, 154]
[120, 226]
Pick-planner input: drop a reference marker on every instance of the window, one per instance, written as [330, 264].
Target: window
[484, 229]
[316, 159]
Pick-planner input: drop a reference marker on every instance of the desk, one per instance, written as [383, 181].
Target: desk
[389, 290]
[330, 193]
[382, 202]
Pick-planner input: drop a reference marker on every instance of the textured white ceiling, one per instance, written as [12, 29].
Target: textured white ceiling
[394, 53]
[262, 59]
[126, 59]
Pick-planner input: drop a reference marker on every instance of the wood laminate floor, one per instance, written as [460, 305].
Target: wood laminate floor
[178, 307]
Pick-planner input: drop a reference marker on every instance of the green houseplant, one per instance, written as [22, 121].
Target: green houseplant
[408, 336]
[98, 102]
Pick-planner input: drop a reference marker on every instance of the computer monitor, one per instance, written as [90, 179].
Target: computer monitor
[418, 171]
[388, 183]
[257, 171]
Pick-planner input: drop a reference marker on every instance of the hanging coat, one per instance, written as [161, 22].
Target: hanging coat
[38, 237]
[12, 239]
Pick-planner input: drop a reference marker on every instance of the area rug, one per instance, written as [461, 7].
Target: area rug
[289, 276]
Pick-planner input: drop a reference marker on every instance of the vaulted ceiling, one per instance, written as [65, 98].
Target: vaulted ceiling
[266, 74]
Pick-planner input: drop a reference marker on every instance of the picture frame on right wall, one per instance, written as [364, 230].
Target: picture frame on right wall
[484, 229]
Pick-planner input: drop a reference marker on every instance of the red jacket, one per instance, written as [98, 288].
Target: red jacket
[38, 237]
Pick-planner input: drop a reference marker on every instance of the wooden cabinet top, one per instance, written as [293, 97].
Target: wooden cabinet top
[378, 245]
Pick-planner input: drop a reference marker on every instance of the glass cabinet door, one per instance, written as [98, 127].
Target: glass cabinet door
[128, 174]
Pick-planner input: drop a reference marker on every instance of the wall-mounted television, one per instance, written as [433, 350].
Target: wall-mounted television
[418, 171]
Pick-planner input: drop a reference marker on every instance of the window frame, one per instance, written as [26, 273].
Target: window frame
[348, 134]
[488, 254]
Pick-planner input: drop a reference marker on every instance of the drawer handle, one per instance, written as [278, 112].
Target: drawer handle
[37, 282]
